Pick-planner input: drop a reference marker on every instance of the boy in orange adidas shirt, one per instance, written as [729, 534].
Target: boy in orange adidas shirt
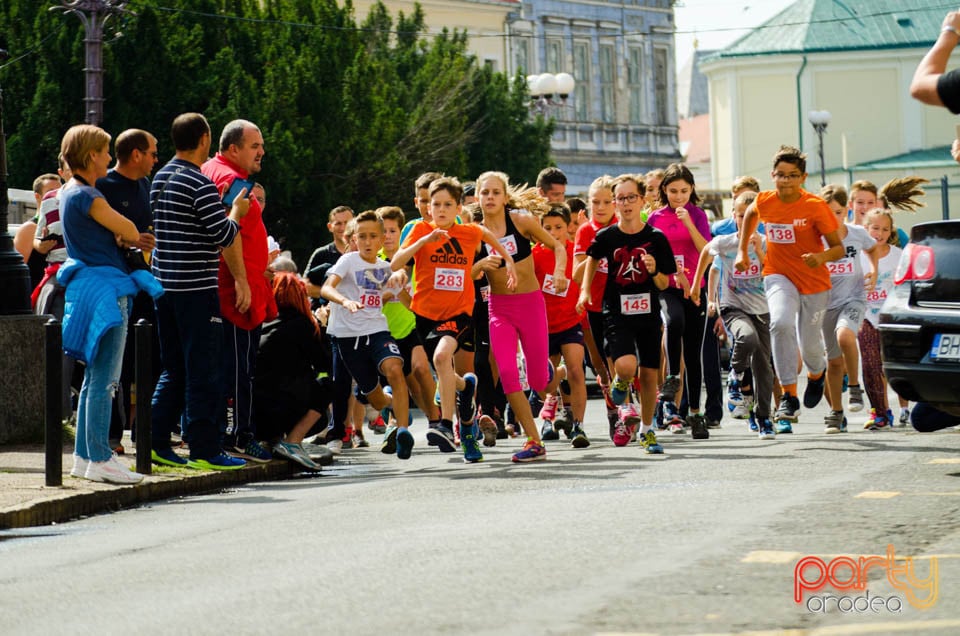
[443, 254]
[795, 276]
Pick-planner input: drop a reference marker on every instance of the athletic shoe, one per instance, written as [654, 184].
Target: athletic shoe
[80, 464]
[672, 419]
[404, 444]
[335, 446]
[471, 447]
[698, 426]
[166, 457]
[784, 427]
[628, 419]
[742, 411]
[612, 419]
[319, 454]
[579, 439]
[668, 391]
[530, 452]
[855, 403]
[734, 396]
[220, 462]
[754, 426]
[649, 443]
[765, 429]
[117, 447]
[253, 451]
[621, 434]
[112, 472]
[814, 391]
[835, 422]
[358, 440]
[466, 407]
[488, 428]
[876, 421]
[442, 438]
[389, 444]
[845, 384]
[713, 424]
[904, 416]
[436, 396]
[564, 421]
[789, 408]
[548, 433]
[549, 410]
[618, 391]
[296, 454]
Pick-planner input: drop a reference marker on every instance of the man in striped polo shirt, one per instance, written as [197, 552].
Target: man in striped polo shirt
[191, 231]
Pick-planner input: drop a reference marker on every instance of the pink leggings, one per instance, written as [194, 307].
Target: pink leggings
[520, 317]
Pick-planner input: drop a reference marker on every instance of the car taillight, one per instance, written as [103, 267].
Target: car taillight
[916, 263]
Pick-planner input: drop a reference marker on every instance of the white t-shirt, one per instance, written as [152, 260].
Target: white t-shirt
[846, 274]
[885, 270]
[743, 290]
[362, 282]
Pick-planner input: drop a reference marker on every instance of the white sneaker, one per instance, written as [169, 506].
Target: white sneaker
[112, 472]
[79, 469]
[742, 411]
[335, 446]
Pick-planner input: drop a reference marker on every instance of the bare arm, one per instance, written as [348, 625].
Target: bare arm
[109, 218]
[833, 253]
[329, 291]
[536, 232]
[706, 259]
[588, 272]
[924, 85]
[404, 254]
[747, 228]
[233, 257]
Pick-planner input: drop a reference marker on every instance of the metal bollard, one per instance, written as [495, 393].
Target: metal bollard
[143, 376]
[53, 413]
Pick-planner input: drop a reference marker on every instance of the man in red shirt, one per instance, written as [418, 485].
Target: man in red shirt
[240, 155]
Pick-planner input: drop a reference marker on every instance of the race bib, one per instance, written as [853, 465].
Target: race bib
[371, 299]
[752, 271]
[876, 297]
[781, 233]
[679, 259]
[448, 279]
[843, 267]
[548, 287]
[510, 244]
[634, 304]
[602, 267]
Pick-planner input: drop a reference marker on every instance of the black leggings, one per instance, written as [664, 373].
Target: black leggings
[683, 324]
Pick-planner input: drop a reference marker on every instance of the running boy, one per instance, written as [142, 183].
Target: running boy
[795, 277]
[443, 254]
[357, 286]
[640, 264]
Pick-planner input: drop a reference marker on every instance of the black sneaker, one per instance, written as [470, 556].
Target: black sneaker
[698, 426]
[466, 406]
[442, 438]
[579, 438]
[548, 433]
[814, 391]
[789, 408]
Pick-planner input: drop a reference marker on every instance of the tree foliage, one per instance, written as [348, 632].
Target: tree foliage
[351, 112]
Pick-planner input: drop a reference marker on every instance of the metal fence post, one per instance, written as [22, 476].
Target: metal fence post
[945, 197]
[144, 378]
[53, 411]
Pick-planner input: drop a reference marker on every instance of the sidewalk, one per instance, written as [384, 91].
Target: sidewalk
[26, 501]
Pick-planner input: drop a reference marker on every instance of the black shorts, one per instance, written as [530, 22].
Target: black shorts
[363, 355]
[638, 336]
[431, 331]
[406, 345]
[573, 335]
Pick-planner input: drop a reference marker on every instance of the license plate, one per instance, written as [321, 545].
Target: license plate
[946, 346]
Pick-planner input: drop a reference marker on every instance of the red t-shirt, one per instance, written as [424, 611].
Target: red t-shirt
[561, 309]
[585, 236]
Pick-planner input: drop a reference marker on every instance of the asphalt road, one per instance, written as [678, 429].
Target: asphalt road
[704, 539]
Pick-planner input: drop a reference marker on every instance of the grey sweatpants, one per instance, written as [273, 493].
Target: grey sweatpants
[795, 317]
[751, 349]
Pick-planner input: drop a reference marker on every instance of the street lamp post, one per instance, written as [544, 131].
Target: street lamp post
[14, 275]
[546, 87]
[819, 119]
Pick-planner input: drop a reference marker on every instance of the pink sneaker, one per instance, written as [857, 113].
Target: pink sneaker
[628, 417]
[549, 410]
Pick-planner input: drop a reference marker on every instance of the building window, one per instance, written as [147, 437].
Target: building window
[635, 84]
[581, 73]
[608, 71]
[521, 56]
[554, 56]
[661, 79]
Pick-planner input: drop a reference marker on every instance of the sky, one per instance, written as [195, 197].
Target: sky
[714, 24]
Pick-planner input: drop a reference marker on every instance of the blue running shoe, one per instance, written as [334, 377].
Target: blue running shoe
[404, 443]
[754, 427]
[618, 391]
[389, 444]
[766, 429]
[531, 452]
[784, 427]
[386, 411]
[220, 462]
[466, 407]
[649, 443]
[166, 457]
[470, 444]
[442, 438]
[734, 395]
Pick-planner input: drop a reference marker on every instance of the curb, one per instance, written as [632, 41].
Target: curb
[66, 507]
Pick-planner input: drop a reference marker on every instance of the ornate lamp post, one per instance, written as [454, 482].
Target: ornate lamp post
[14, 276]
[94, 14]
[820, 119]
[543, 89]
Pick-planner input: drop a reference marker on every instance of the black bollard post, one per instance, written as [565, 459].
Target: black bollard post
[53, 413]
[143, 376]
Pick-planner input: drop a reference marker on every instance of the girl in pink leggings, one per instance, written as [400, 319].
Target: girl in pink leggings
[519, 315]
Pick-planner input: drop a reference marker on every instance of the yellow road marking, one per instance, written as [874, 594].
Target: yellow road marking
[877, 494]
[945, 460]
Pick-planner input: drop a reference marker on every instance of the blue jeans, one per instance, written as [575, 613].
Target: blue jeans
[96, 394]
[191, 345]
